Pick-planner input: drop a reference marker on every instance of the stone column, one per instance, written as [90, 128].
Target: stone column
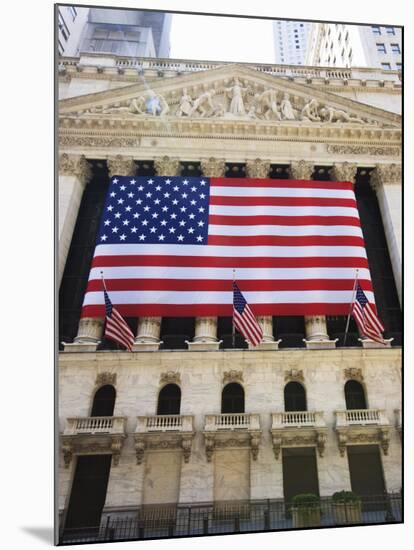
[259, 168]
[206, 327]
[90, 329]
[74, 174]
[386, 182]
[315, 325]
[149, 328]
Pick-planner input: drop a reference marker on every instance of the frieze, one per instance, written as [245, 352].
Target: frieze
[364, 150]
[98, 141]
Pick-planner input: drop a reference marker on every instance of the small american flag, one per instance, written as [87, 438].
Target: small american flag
[243, 318]
[366, 317]
[116, 328]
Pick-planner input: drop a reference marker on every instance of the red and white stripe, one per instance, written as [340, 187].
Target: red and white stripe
[368, 322]
[248, 326]
[295, 246]
[116, 329]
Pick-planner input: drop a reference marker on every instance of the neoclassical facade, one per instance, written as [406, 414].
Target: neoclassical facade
[185, 418]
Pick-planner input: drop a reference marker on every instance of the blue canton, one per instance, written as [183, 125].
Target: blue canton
[239, 302]
[360, 296]
[155, 210]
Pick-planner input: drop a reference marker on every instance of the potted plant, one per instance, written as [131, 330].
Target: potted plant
[347, 507]
[306, 510]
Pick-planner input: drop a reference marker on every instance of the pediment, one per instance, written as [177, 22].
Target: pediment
[231, 92]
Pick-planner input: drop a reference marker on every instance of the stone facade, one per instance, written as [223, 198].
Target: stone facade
[103, 118]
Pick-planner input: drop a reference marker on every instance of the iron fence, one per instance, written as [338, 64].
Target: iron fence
[183, 520]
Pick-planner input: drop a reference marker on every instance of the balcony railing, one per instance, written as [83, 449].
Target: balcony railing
[95, 425]
[232, 421]
[297, 419]
[361, 417]
[164, 423]
[178, 520]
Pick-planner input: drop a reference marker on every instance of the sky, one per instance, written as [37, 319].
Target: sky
[212, 38]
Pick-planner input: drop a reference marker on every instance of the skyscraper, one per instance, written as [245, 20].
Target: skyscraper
[70, 24]
[290, 41]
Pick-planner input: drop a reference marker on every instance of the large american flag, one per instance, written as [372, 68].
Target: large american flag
[244, 319]
[366, 317]
[167, 246]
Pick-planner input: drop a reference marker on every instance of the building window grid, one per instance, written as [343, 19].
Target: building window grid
[381, 47]
[395, 48]
[376, 30]
[73, 12]
[390, 30]
[63, 27]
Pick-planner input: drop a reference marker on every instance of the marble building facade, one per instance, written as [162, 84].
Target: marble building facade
[120, 117]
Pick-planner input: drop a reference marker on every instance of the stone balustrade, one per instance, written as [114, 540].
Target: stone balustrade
[297, 419]
[232, 421]
[361, 417]
[164, 423]
[95, 425]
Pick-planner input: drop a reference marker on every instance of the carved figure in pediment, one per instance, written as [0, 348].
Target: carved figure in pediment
[203, 105]
[186, 104]
[329, 114]
[268, 104]
[236, 104]
[286, 109]
[310, 111]
[155, 104]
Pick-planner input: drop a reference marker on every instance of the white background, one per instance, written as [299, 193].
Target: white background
[26, 221]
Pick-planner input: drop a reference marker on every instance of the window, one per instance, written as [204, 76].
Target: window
[399, 66]
[63, 27]
[169, 400]
[376, 29]
[104, 401]
[354, 395]
[73, 12]
[297, 47]
[347, 36]
[60, 48]
[395, 48]
[390, 30]
[343, 53]
[386, 66]
[381, 48]
[295, 397]
[339, 37]
[232, 399]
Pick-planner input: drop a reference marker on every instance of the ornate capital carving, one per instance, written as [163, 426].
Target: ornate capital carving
[385, 173]
[232, 376]
[104, 378]
[170, 377]
[320, 443]
[121, 166]
[301, 170]
[213, 168]
[257, 168]
[294, 375]
[343, 171]
[75, 165]
[353, 374]
[167, 166]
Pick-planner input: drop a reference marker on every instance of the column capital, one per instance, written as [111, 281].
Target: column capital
[343, 171]
[385, 173]
[213, 167]
[301, 170]
[167, 166]
[75, 165]
[258, 168]
[120, 165]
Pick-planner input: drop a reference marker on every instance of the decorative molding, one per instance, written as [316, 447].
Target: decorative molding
[232, 440]
[257, 168]
[301, 170]
[75, 165]
[121, 166]
[98, 141]
[344, 171]
[167, 166]
[90, 444]
[364, 150]
[105, 378]
[359, 435]
[213, 167]
[294, 375]
[354, 373]
[301, 437]
[386, 174]
[232, 376]
[163, 442]
[170, 377]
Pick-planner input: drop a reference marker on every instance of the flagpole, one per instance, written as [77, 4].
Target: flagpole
[350, 307]
[233, 333]
[103, 280]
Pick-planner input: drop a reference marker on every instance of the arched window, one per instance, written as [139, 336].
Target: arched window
[295, 397]
[232, 398]
[169, 400]
[104, 401]
[355, 395]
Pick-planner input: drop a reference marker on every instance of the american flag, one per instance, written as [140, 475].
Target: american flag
[243, 318]
[116, 328]
[168, 247]
[366, 317]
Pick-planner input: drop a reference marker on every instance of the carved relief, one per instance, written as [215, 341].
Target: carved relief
[232, 376]
[105, 378]
[344, 171]
[257, 168]
[121, 166]
[361, 435]
[364, 150]
[294, 375]
[301, 170]
[98, 141]
[385, 174]
[170, 377]
[73, 165]
[163, 442]
[353, 374]
[167, 166]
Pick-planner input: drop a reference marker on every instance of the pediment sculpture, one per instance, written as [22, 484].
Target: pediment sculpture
[240, 100]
